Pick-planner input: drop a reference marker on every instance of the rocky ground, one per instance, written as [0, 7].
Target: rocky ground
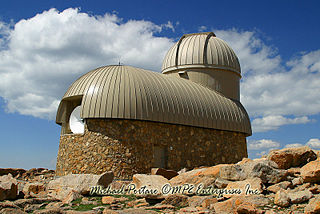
[285, 181]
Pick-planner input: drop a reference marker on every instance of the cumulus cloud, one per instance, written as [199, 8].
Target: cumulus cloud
[262, 144]
[293, 145]
[314, 143]
[41, 56]
[273, 89]
[262, 147]
[275, 121]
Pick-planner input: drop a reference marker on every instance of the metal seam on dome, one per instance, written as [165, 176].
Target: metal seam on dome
[178, 47]
[105, 77]
[205, 59]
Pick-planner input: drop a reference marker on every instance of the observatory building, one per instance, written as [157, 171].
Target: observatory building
[128, 119]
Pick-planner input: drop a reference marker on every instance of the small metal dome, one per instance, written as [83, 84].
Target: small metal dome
[126, 92]
[200, 50]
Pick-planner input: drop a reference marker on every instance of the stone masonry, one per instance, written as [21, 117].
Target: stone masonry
[128, 147]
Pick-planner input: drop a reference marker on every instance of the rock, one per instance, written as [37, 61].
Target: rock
[188, 210]
[82, 212]
[300, 196]
[295, 171]
[12, 211]
[281, 199]
[196, 201]
[8, 204]
[29, 208]
[34, 190]
[13, 172]
[311, 172]
[247, 187]
[108, 200]
[261, 168]
[209, 202]
[168, 174]
[72, 195]
[233, 172]
[205, 175]
[80, 182]
[276, 187]
[176, 200]
[292, 157]
[247, 208]
[53, 205]
[130, 211]
[49, 211]
[231, 205]
[87, 201]
[221, 183]
[297, 181]
[315, 189]
[150, 182]
[137, 202]
[161, 207]
[313, 206]
[8, 187]
[24, 202]
[60, 193]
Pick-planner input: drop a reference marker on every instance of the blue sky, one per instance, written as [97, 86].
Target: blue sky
[46, 45]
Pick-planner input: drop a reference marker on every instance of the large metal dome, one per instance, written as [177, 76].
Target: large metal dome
[200, 50]
[126, 92]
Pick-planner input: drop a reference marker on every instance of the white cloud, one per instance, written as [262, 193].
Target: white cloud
[202, 28]
[262, 144]
[41, 56]
[273, 89]
[273, 122]
[314, 143]
[293, 145]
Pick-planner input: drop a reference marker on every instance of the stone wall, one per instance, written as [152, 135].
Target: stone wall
[128, 147]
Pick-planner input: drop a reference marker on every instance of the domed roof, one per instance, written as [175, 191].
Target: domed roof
[126, 92]
[200, 50]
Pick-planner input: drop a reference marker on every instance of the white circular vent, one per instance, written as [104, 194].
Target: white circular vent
[76, 123]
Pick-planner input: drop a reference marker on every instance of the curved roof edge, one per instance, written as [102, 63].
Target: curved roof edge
[125, 92]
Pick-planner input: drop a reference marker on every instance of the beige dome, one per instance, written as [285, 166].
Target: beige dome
[200, 50]
[126, 92]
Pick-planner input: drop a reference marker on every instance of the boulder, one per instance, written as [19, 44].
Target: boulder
[150, 185]
[168, 174]
[292, 157]
[300, 196]
[311, 172]
[34, 190]
[297, 181]
[276, 187]
[244, 202]
[79, 182]
[313, 206]
[281, 199]
[264, 169]
[204, 201]
[176, 200]
[221, 183]
[72, 195]
[209, 202]
[247, 187]
[8, 187]
[205, 175]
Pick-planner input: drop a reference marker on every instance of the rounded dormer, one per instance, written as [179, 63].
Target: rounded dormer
[207, 60]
